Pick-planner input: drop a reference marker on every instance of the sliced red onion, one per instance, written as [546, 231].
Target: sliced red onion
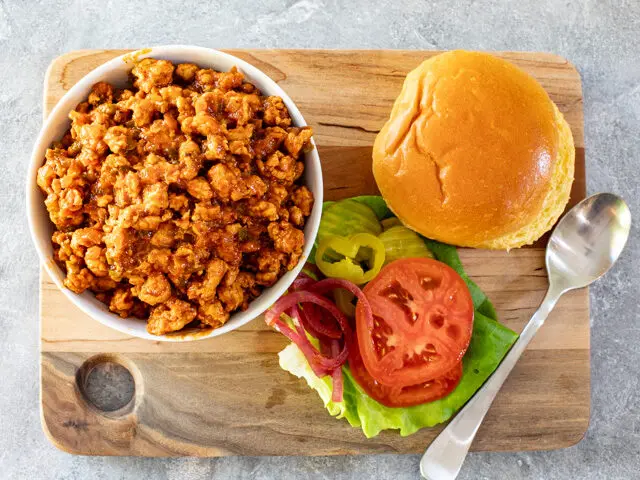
[302, 282]
[298, 320]
[303, 344]
[328, 284]
[305, 322]
[290, 303]
[308, 294]
[312, 354]
[325, 348]
[338, 386]
[313, 318]
[336, 375]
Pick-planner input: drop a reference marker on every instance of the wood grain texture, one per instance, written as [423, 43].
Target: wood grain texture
[226, 395]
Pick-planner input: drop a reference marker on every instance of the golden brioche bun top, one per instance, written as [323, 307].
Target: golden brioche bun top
[469, 153]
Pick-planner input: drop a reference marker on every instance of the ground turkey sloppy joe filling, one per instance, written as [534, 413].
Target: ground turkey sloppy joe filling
[179, 199]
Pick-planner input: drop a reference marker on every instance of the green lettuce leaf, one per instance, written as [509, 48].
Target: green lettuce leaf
[490, 342]
[293, 361]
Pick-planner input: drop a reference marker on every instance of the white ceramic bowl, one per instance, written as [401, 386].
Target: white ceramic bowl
[116, 72]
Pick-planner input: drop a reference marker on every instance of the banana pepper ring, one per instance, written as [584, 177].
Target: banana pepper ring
[358, 249]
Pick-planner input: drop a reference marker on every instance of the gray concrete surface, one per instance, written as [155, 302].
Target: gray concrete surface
[601, 38]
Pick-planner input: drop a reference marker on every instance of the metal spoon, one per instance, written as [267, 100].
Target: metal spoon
[584, 245]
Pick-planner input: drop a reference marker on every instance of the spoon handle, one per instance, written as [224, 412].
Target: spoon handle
[445, 456]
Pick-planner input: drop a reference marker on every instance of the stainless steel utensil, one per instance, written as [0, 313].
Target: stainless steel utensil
[584, 245]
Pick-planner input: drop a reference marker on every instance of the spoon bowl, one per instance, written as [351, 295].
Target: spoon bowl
[587, 241]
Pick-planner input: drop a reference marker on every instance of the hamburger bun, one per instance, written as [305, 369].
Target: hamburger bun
[475, 153]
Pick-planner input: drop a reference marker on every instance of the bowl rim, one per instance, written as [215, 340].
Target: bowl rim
[60, 113]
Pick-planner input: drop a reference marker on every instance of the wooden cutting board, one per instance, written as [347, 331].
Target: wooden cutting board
[227, 395]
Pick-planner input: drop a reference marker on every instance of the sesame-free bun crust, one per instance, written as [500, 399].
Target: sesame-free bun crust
[475, 153]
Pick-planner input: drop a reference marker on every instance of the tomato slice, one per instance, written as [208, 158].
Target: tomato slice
[422, 322]
[398, 396]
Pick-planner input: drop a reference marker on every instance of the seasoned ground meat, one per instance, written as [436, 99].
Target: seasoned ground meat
[179, 199]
